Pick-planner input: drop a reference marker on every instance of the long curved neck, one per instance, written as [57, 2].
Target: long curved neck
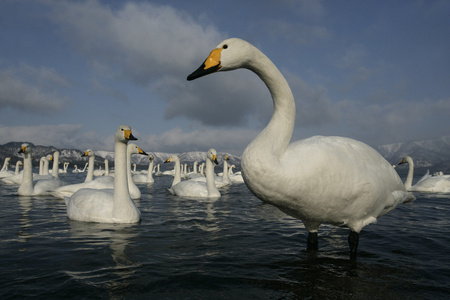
[46, 163]
[225, 172]
[106, 168]
[26, 187]
[131, 184]
[90, 172]
[409, 178]
[16, 171]
[5, 165]
[276, 136]
[55, 167]
[177, 169]
[121, 194]
[210, 181]
[150, 171]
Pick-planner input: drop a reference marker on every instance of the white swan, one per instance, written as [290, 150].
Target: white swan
[428, 183]
[145, 178]
[176, 169]
[28, 187]
[5, 164]
[220, 181]
[108, 205]
[134, 191]
[4, 173]
[199, 189]
[235, 177]
[333, 180]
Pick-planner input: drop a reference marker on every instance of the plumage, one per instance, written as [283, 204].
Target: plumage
[318, 180]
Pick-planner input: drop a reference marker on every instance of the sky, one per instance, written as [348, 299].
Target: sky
[71, 72]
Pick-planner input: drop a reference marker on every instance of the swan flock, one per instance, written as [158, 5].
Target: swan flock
[333, 180]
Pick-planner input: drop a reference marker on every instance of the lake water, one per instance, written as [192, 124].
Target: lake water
[235, 247]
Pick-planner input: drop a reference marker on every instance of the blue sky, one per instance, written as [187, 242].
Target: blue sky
[72, 71]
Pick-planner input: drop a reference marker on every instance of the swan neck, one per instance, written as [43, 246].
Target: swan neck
[210, 181]
[177, 177]
[26, 187]
[409, 178]
[277, 134]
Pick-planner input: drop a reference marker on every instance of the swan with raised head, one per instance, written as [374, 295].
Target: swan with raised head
[220, 181]
[135, 193]
[108, 205]
[198, 189]
[28, 187]
[428, 183]
[333, 180]
[5, 172]
[176, 169]
[148, 177]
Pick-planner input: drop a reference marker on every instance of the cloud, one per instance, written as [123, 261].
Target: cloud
[30, 89]
[60, 136]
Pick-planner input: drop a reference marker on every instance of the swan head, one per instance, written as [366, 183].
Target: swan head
[88, 152]
[134, 149]
[150, 157]
[123, 134]
[405, 160]
[173, 158]
[229, 55]
[25, 148]
[212, 155]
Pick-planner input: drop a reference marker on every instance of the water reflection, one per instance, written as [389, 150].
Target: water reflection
[26, 205]
[97, 236]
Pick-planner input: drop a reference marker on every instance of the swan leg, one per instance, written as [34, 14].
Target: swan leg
[312, 242]
[353, 241]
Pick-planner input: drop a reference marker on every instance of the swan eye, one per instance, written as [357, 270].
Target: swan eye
[225, 46]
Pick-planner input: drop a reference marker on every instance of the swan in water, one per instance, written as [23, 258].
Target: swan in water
[28, 187]
[428, 183]
[333, 180]
[108, 205]
[148, 177]
[16, 178]
[194, 188]
[176, 169]
[235, 177]
[5, 173]
[134, 191]
[220, 181]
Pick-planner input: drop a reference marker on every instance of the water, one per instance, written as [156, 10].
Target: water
[235, 247]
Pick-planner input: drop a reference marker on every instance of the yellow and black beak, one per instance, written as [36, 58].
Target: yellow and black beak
[210, 65]
[129, 136]
[22, 149]
[142, 151]
[214, 158]
[168, 160]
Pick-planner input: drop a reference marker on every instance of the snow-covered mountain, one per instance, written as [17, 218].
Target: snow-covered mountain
[429, 154]
[73, 156]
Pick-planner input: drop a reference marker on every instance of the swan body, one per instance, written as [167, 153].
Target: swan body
[428, 183]
[28, 187]
[235, 177]
[108, 205]
[198, 189]
[333, 180]
[134, 191]
[148, 177]
[220, 181]
[5, 172]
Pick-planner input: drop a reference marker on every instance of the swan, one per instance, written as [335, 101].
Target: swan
[176, 169]
[108, 205]
[220, 181]
[5, 173]
[145, 178]
[16, 178]
[320, 179]
[235, 177]
[134, 191]
[199, 189]
[5, 164]
[28, 187]
[428, 183]
[66, 165]
[17, 169]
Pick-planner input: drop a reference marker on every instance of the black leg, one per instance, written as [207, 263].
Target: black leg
[353, 240]
[313, 244]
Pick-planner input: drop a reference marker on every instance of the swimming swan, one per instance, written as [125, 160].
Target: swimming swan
[148, 177]
[199, 189]
[30, 187]
[333, 180]
[134, 191]
[108, 205]
[428, 183]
